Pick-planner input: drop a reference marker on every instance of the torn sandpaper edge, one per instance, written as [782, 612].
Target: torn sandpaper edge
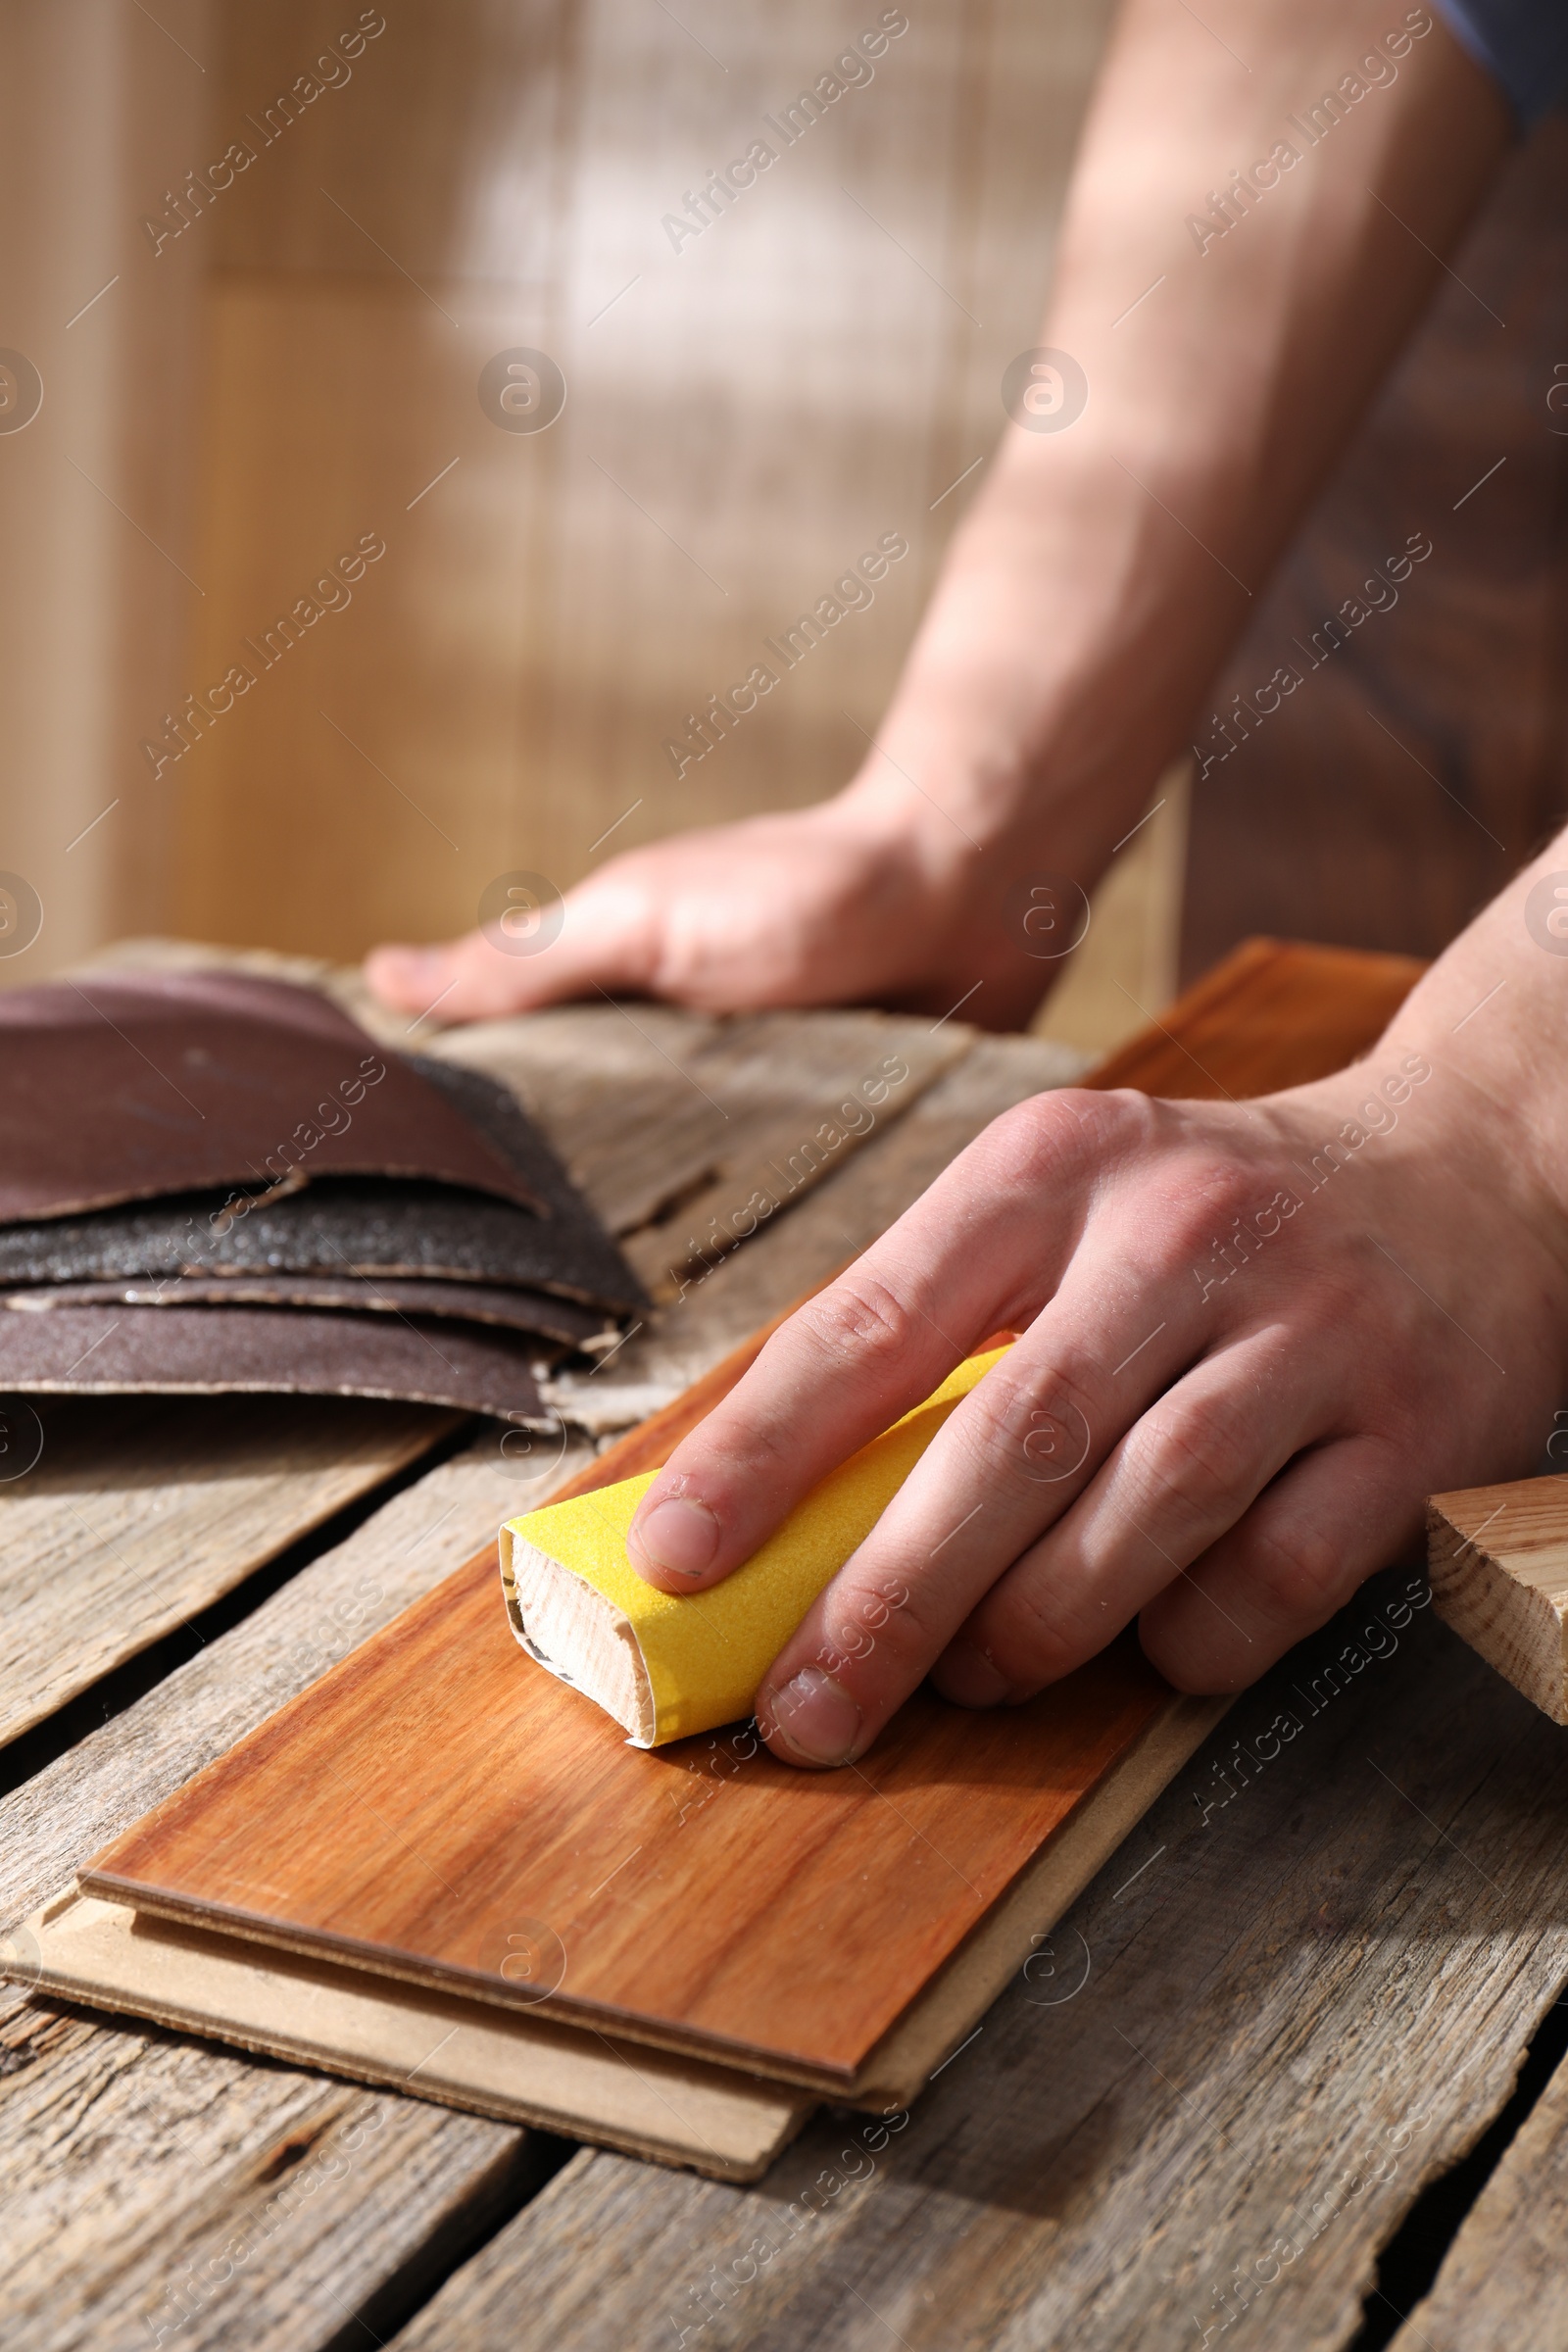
[104, 1350]
[514, 1309]
[346, 1226]
[351, 1227]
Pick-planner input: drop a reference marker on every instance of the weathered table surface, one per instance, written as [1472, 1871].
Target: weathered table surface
[1296, 1997]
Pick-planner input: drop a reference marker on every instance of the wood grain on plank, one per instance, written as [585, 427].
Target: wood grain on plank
[736, 1118]
[1501, 2285]
[1298, 1993]
[136, 2157]
[140, 1511]
[160, 2192]
[55, 1819]
[848, 1210]
[1499, 1575]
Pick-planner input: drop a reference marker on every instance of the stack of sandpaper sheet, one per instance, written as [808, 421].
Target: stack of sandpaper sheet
[215, 1181]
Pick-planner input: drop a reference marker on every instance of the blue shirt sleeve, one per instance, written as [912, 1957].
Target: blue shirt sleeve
[1522, 43]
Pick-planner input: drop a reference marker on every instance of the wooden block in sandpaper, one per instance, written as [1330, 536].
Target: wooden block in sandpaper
[1498, 1564]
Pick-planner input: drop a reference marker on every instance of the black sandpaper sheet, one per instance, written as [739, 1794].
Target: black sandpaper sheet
[131, 1086]
[561, 1320]
[350, 1226]
[276, 1350]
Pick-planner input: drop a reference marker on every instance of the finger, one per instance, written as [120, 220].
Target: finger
[1184, 1474]
[1066, 1594]
[876, 1343]
[1283, 1569]
[603, 943]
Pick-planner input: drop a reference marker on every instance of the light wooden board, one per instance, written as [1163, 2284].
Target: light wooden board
[1500, 1574]
[142, 1511]
[1295, 1995]
[508, 2065]
[518, 2066]
[1501, 2285]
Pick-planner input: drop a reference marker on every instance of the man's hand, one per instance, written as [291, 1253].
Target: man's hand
[1254, 1338]
[858, 901]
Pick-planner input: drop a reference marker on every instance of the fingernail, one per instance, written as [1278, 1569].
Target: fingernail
[970, 1678]
[677, 1533]
[816, 1718]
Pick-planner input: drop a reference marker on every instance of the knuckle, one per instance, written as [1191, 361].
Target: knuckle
[1197, 1451]
[861, 1316]
[1294, 1570]
[1215, 1196]
[1033, 1421]
[1030, 1633]
[1060, 1136]
[867, 1638]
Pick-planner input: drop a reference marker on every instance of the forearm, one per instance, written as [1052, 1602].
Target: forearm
[1492, 1019]
[1106, 567]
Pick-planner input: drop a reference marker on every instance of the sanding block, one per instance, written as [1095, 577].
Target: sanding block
[668, 1665]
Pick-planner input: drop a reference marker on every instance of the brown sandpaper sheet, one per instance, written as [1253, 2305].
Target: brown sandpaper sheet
[535, 1312]
[128, 1086]
[345, 1227]
[107, 1351]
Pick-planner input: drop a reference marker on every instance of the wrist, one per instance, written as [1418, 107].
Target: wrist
[1051, 681]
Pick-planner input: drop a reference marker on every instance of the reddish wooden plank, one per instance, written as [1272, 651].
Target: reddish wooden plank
[441, 1794]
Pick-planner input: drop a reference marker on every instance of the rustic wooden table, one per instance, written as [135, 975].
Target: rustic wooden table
[1218, 2098]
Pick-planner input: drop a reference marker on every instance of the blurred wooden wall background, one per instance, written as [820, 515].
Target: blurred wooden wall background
[239, 404]
[100, 109]
[744, 416]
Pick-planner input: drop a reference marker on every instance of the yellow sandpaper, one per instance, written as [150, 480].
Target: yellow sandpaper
[706, 1652]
